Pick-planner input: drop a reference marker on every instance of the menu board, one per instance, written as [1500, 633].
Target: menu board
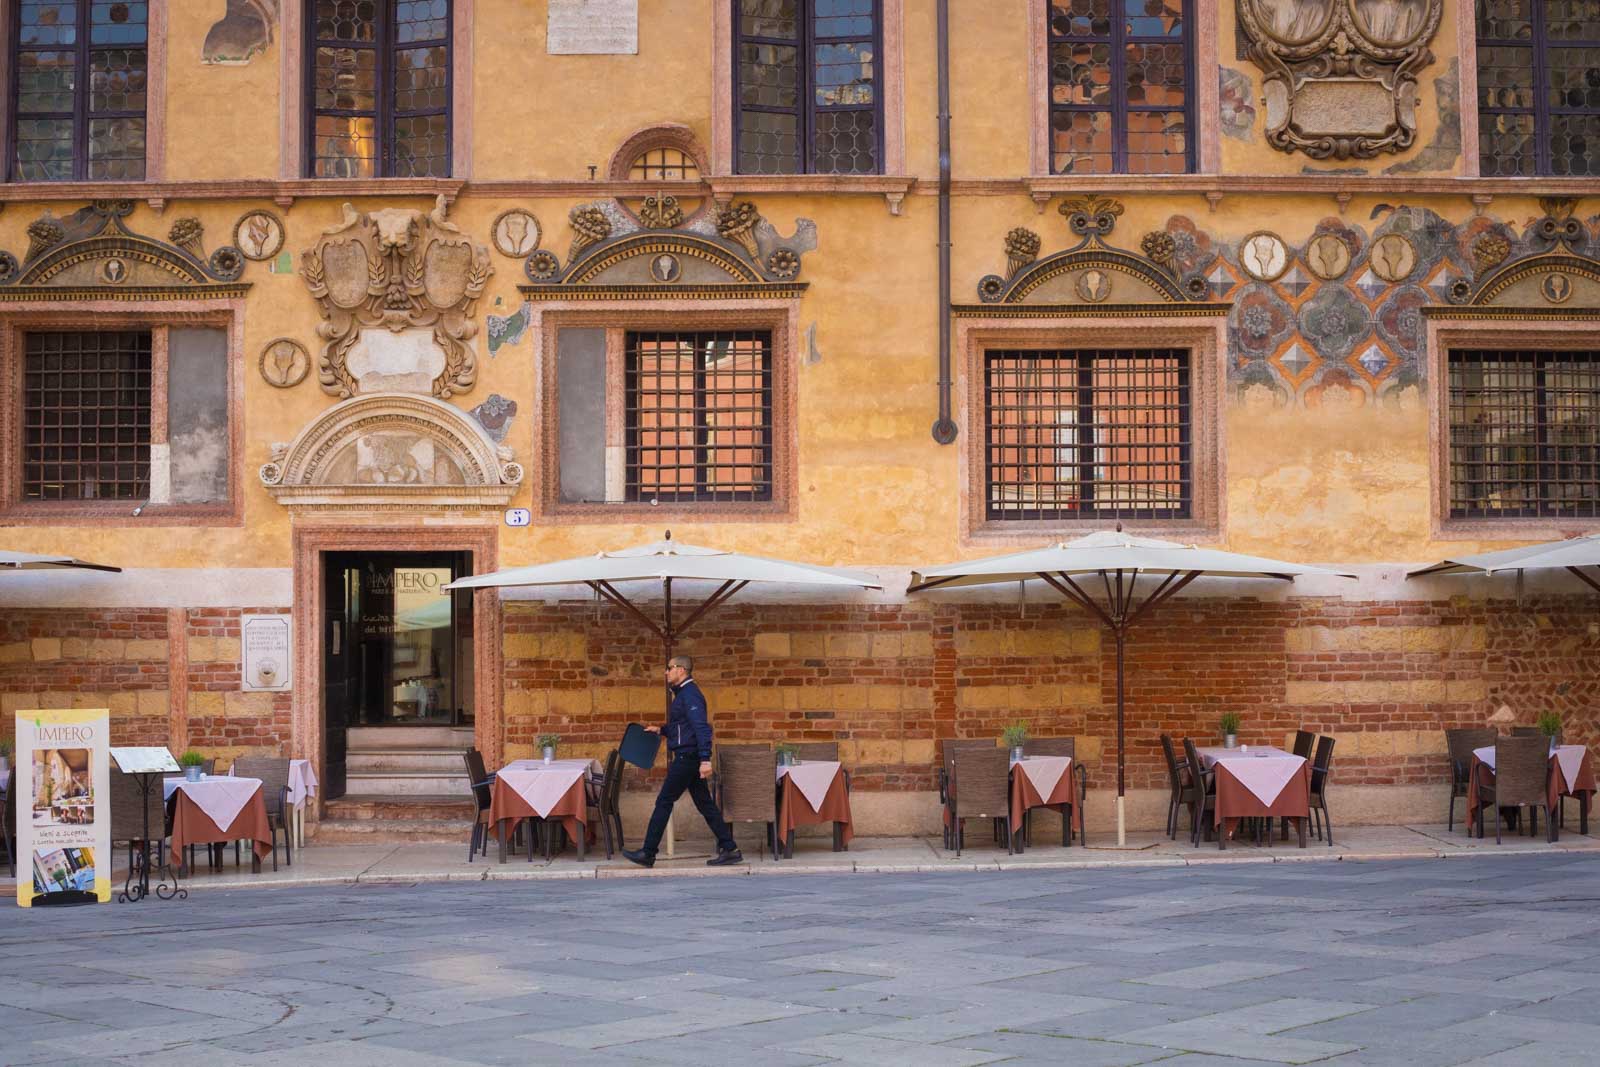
[63, 804]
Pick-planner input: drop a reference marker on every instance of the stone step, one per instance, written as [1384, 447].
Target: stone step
[363, 807]
[388, 738]
[393, 831]
[426, 760]
[408, 783]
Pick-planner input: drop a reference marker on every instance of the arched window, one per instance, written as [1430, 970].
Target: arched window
[1538, 87]
[1121, 78]
[663, 164]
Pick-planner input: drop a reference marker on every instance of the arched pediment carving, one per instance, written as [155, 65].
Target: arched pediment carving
[392, 450]
[1558, 277]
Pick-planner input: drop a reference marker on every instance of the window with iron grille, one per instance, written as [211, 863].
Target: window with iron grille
[1121, 73]
[1524, 436]
[86, 416]
[807, 87]
[1088, 434]
[1538, 87]
[699, 416]
[378, 85]
[78, 101]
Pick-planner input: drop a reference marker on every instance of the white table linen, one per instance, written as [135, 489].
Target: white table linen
[1264, 770]
[813, 778]
[221, 797]
[543, 784]
[1044, 772]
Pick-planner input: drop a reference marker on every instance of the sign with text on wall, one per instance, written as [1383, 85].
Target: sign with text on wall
[265, 648]
[63, 806]
[592, 28]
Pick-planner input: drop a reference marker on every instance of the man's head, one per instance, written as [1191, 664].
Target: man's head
[679, 668]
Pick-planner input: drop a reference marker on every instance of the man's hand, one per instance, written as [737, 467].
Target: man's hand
[653, 729]
[705, 768]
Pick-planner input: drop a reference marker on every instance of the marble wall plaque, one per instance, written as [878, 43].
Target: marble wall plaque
[593, 28]
[264, 641]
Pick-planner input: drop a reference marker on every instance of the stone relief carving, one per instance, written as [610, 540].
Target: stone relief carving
[244, 29]
[397, 288]
[1340, 75]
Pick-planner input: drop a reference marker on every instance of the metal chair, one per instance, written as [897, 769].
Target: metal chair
[1058, 746]
[747, 786]
[951, 747]
[1321, 771]
[980, 788]
[1459, 743]
[480, 781]
[1521, 777]
[274, 775]
[1205, 792]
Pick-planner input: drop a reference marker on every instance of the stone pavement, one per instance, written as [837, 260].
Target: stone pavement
[1482, 961]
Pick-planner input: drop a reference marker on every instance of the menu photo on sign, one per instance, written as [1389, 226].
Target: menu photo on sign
[266, 648]
[63, 803]
[592, 28]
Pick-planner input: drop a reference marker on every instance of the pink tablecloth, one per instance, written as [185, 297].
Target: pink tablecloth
[220, 797]
[1263, 770]
[543, 785]
[302, 782]
[812, 778]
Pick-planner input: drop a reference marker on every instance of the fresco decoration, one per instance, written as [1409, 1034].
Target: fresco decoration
[397, 289]
[94, 254]
[1235, 96]
[244, 29]
[1443, 150]
[1340, 76]
[1094, 276]
[1334, 327]
[496, 415]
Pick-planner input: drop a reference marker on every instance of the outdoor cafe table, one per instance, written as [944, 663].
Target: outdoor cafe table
[1571, 774]
[1043, 781]
[530, 788]
[1261, 783]
[813, 792]
[218, 809]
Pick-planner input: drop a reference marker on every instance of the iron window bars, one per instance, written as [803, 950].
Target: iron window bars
[86, 416]
[1524, 436]
[1538, 87]
[78, 90]
[1120, 78]
[378, 85]
[806, 87]
[699, 416]
[1088, 434]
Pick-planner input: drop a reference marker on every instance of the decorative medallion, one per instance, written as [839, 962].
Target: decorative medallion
[1092, 215]
[666, 267]
[227, 263]
[1340, 75]
[284, 363]
[784, 264]
[590, 225]
[9, 267]
[516, 233]
[114, 271]
[1022, 248]
[1093, 286]
[660, 212]
[1490, 250]
[1558, 223]
[1556, 288]
[1263, 256]
[737, 223]
[258, 235]
[188, 234]
[1328, 256]
[542, 266]
[1393, 257]
[398, 289]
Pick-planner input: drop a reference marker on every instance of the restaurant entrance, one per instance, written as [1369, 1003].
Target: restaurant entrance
[396, 652]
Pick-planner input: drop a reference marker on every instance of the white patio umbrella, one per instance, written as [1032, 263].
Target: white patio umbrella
[1115, 561]
[24, 561]
[1571, 555]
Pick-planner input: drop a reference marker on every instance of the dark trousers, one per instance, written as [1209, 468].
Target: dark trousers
[683, 772]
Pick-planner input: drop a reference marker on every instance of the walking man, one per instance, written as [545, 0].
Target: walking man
[688, 734]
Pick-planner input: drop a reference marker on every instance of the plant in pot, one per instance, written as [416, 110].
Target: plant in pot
[1230, 729]
[1014, 736]
[191, 762]
[786, 753]
[548, 743]
[1549, 724]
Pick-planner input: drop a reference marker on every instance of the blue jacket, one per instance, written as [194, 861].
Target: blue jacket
[688, 727]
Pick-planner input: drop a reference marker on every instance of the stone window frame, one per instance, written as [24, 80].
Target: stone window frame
[19, 319]
[155, 102]
[1205, 338]
[1207, 129]
[617, 318]
[295, 110]
[1580, 334]
[891, 89]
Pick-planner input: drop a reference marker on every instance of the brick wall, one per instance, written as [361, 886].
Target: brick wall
[222, 720]
[113, 658]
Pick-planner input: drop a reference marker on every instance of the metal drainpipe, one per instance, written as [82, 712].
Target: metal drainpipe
[944, 430]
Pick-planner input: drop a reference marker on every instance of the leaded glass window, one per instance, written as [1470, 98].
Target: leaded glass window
[808, 93]
[379, 89]
[1539, 87]
[78, 102]
[1120, 78]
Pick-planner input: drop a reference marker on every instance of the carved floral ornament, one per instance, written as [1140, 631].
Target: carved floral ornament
[397, 289]
[1557, 276]
[1341, 75]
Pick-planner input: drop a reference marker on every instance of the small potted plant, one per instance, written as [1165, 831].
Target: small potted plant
[1014, 737]
[5, 755]
[1230, 729]
[786, 753]
[548, 743]
[1550, 725]
[191, 762]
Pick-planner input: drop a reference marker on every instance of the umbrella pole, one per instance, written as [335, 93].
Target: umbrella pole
[1121, 634]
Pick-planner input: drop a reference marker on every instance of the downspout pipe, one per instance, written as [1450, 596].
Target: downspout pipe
[944, 430]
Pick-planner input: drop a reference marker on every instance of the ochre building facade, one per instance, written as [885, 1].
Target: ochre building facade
[303, 303]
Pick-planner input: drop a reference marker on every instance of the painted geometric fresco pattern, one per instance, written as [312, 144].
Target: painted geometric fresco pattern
[1355, 339]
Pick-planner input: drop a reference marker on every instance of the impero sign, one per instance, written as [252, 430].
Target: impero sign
[63, 802]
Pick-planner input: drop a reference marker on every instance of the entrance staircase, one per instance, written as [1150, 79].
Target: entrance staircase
[405, 784]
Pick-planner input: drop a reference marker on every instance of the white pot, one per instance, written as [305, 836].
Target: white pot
[1230, 741]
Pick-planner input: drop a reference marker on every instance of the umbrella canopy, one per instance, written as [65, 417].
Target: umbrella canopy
[23, 561]
[1570, 555]
[1115, 561]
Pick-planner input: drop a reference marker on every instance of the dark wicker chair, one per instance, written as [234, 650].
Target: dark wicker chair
[1304, 740]
[1180, 785]
[747, 784]
[1521, 778]
[274, 775]
[1459, 743]
[481, 782]
[951, 747]
[1204, 798]
[1524, 731]
[1058, 746]
[602, 797]
[819, 751]
[1321, 771]
[130, 807]
[8, 822]
[980, 788]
